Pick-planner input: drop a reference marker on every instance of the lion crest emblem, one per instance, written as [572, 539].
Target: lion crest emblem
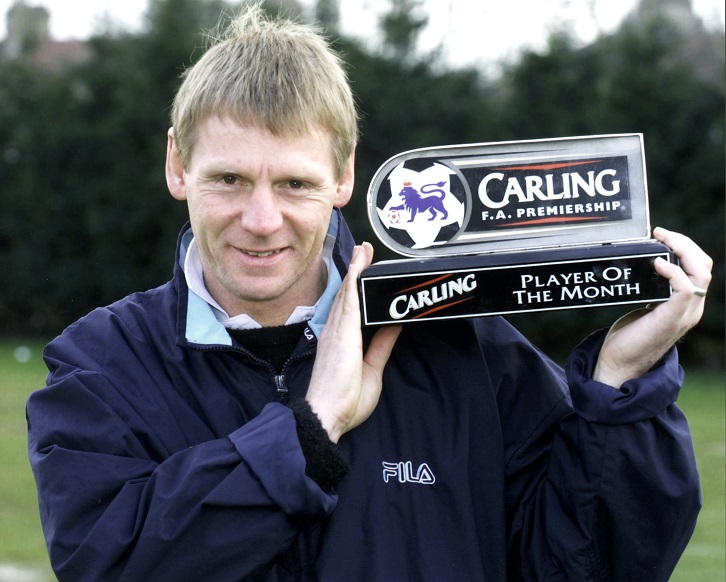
[421, 204]
[430, 199]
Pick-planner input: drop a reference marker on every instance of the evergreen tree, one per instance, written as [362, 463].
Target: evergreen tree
[86, 213]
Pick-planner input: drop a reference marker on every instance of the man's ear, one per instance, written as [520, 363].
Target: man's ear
[175, 176]
[345, 183]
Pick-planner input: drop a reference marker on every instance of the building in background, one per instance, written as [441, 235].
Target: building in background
[28, 37]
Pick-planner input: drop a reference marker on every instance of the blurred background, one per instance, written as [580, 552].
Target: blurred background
[85, 90]
[86, 217]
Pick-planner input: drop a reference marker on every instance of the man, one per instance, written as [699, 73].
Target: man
[235, 424]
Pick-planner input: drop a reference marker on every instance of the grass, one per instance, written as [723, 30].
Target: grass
[702, 399]
[21, 541]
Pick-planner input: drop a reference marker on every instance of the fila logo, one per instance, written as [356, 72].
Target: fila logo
[403, 472]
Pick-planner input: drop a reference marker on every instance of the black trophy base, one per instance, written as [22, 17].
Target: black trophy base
[410, 290]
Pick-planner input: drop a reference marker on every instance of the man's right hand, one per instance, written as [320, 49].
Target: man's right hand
[346, 384]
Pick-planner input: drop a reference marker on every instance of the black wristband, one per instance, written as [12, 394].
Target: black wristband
[324, 462]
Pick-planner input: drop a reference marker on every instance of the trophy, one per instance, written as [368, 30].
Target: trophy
[511, 227]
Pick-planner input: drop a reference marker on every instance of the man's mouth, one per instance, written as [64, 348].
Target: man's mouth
[262, 254]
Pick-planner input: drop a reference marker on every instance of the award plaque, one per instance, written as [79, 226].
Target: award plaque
[510, 227]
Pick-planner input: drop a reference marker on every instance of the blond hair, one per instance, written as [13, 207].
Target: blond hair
[276, 73]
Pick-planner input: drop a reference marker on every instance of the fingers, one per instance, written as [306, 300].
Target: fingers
[677, 277]
[689, 280]
[374, 362]
[381, 346]
[346, 300]
[383, 340]
[695, 264]
[361, 260]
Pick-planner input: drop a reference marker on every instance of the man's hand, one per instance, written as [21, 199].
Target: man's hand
[345, 385]
[638, 340]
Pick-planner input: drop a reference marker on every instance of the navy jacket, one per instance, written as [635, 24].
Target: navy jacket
[164, 451]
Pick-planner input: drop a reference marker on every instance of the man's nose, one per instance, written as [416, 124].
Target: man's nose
[261, 214]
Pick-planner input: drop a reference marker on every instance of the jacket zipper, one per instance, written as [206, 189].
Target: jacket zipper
[281, 387]
[283, 395]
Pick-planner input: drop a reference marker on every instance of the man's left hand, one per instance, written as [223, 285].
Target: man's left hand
[638, 340]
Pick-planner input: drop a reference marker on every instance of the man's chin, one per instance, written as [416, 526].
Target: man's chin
[260, 290]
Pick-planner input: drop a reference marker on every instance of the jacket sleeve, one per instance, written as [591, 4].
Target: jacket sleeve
[215, 511]
[603, 486]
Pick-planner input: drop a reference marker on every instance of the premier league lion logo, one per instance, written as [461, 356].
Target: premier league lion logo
[427, 200]
[421, 204]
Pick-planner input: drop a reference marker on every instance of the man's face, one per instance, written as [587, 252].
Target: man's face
[260, 207]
